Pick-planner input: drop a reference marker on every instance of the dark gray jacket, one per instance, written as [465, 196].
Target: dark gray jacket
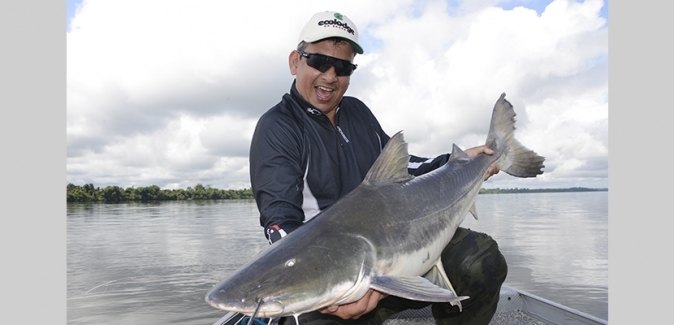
[300, 163]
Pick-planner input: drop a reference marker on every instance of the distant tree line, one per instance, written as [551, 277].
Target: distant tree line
[539, 190]
[116, 194]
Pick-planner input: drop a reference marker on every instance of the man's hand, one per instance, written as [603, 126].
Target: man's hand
[355, 309]
[474, 151]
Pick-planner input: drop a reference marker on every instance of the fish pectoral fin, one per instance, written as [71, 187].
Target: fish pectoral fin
[437, 276]
[415, 288]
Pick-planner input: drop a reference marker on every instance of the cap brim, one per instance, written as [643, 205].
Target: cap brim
[356, 47]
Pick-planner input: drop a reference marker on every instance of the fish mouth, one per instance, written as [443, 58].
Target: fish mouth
[246, 306]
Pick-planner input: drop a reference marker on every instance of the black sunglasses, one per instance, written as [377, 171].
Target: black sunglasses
[323, 63]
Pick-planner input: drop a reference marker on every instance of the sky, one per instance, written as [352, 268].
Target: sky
[168, 93]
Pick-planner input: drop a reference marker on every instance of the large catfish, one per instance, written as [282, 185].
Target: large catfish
[387, 234]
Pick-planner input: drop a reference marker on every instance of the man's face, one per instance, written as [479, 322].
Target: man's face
[322, 89]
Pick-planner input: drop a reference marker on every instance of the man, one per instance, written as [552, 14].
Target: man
[317, 145]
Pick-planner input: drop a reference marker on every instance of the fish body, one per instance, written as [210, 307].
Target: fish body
[387, 234]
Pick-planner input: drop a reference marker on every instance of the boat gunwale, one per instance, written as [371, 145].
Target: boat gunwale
[510, 300]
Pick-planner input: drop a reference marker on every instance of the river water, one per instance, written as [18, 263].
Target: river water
[152, 263]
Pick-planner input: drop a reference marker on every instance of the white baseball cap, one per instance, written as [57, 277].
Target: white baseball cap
[330, 24]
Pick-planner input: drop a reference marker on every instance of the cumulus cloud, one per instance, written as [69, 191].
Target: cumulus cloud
[168, 93]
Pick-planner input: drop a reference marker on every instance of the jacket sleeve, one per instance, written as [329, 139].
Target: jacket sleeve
[420, 165]
[277, 176]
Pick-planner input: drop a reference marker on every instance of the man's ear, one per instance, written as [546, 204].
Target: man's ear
[293, 62]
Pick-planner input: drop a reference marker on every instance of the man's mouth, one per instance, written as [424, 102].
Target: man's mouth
[324, 94]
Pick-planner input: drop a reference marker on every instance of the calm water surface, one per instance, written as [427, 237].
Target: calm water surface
[152, 263]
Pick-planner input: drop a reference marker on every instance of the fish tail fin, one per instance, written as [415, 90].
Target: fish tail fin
[515, 159]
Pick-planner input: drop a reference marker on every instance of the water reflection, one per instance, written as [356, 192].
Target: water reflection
[153, 263]
[556, 244]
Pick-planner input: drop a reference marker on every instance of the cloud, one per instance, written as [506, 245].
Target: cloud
[552, 66]
[169, 93]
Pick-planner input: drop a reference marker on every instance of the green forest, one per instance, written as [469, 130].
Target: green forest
[116, 194]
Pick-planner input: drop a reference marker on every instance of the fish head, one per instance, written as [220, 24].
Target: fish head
[294, 277]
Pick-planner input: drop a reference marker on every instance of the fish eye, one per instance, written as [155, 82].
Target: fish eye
[290, 262]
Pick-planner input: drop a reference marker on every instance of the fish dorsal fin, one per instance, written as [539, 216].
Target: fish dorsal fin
[457, 153]
[391, 165]
[414, 288]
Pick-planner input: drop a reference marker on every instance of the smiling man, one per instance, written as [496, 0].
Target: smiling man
[326, 45]
[317, 145]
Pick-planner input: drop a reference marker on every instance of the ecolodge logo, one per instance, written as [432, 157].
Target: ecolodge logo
[337, 23]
